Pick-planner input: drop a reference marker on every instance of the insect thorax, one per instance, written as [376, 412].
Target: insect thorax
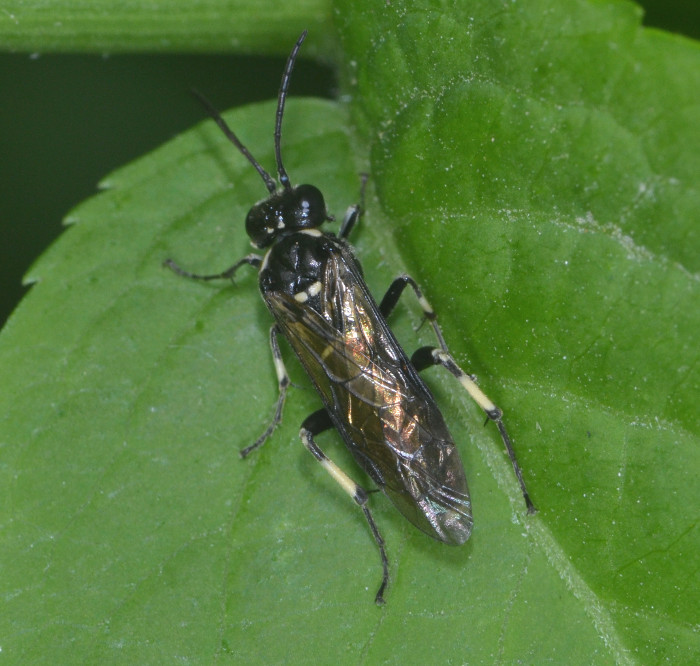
[296, 263]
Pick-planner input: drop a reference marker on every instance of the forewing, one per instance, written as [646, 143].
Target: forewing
[383, 410]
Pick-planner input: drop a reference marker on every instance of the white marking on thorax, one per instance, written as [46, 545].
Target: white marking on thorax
[313, 290]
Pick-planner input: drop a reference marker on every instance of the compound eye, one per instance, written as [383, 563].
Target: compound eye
[257, 225]
[310, 209]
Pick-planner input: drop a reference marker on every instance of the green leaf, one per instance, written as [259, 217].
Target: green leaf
[551, 157]
[534, 168]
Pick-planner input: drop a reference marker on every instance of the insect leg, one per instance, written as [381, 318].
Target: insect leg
[313, 425]
[282, 383]
[393, 294]
[427, 356]
[354, 213]
[251, 259]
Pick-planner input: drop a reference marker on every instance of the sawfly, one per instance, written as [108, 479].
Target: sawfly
[372, 394]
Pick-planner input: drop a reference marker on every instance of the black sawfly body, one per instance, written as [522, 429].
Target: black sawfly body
[371, 391]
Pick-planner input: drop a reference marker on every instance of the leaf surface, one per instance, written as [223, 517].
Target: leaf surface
[534, 169]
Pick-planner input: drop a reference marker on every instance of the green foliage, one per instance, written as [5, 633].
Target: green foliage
[534, 167]
[130, 26]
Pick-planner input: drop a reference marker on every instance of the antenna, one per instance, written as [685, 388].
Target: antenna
[269, 182]
[281, 98]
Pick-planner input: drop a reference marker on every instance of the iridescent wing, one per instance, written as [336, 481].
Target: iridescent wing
[383, 410]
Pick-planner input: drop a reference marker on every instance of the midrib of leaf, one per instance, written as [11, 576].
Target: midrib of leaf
[499, 466]
[594, 606]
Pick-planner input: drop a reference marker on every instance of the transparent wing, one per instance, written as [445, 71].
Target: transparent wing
[384, 411]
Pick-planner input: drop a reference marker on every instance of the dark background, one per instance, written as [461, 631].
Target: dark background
[70, 120]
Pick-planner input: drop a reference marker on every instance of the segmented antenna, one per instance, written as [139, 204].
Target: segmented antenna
[281, 98]
[269, 182]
